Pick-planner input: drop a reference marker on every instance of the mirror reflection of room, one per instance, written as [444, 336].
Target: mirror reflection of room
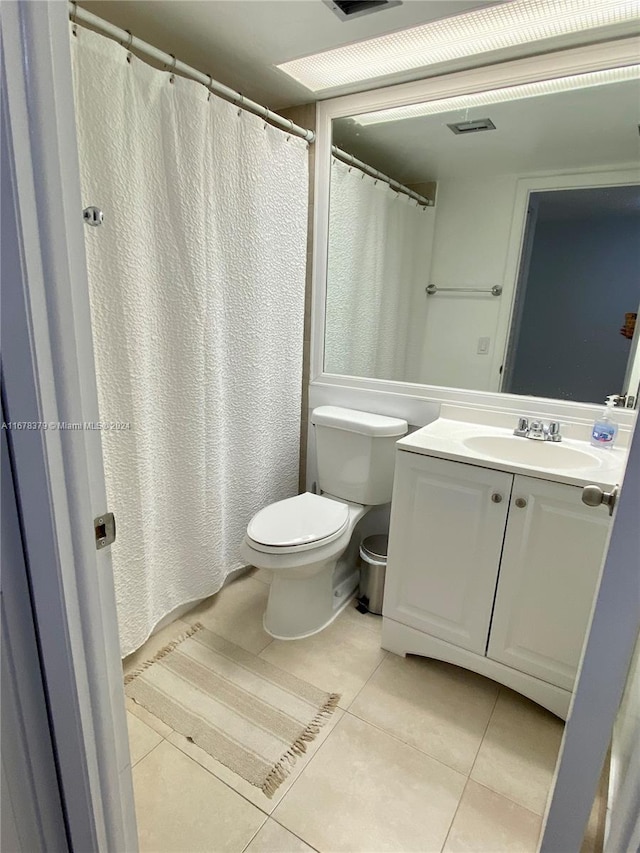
[491, 241]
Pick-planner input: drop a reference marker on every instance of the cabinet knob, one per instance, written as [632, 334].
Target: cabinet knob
[496, 498]
[521, 503]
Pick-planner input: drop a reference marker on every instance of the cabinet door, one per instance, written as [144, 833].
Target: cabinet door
[550, 567]
[447, 528]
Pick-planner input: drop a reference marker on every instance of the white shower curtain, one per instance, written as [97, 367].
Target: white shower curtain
[197, 280]
[378, 253]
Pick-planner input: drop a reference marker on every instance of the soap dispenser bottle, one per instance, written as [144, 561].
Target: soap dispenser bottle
[605, 429]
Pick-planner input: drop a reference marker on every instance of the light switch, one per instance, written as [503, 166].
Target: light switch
[483, 345]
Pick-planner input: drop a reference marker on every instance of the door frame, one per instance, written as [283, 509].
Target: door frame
[606, 657]
[519, 294]
[48, 378]
[31, 806]
[631, 384]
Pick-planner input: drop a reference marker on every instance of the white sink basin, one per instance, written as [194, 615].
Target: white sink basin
[525, 451]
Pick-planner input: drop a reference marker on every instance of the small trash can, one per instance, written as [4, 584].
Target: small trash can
[373, 566]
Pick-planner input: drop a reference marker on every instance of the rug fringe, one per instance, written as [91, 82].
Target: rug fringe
[197, 626]
[283, 768]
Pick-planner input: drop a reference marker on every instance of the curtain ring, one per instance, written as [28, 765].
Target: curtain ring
[241, 107]
[209, 86]
[74, 25]
[172, 68]
[291, 127]
[127, 46]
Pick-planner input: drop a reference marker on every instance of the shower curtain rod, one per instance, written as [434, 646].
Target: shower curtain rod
[350, 160]
[79, 15]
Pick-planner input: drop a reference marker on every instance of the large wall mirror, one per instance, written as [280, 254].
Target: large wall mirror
[490, 241]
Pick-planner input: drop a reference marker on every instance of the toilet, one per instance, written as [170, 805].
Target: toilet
[305, 540]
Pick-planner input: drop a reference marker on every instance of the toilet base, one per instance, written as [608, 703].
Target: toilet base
[335, 615]
[301, 607]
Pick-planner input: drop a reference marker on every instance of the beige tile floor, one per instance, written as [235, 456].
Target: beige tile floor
[420, 756]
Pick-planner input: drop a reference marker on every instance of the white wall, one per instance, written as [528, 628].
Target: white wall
[472, 232]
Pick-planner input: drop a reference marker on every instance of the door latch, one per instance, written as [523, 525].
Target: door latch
[105, 530]
[594, 496]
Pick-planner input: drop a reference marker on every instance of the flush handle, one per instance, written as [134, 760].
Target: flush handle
[594, 496]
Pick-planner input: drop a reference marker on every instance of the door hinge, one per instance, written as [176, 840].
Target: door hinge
[93, 216]
[105, 529]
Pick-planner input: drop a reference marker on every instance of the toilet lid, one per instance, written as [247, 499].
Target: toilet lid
[298, 521]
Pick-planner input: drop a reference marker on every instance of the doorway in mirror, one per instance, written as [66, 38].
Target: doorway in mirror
[572, 335]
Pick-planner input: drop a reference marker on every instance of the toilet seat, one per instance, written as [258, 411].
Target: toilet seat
[298, 524]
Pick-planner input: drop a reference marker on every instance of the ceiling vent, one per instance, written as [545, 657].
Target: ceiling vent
[474, 126]
[348, 9]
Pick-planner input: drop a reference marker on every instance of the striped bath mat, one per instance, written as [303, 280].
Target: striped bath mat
[251, 716]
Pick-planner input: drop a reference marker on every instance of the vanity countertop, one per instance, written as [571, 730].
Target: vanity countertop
[448, 439]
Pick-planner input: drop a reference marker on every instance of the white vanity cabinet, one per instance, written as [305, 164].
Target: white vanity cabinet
[447, 527]
[551, 561]
[493, 571]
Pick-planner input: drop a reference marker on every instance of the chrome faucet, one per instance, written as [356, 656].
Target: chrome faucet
[522, 428]
[553, 431]
[537, 430]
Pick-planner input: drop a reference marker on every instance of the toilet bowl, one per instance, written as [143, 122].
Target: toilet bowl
[301, 540]
[305, 540]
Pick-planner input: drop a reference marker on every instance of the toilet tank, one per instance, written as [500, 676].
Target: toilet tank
[356, 453]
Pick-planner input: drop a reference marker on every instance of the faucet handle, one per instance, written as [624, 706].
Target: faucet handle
[554, 431]
[537, 430]
[522, 428]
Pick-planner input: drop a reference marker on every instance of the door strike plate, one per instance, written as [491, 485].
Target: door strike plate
[105, 529]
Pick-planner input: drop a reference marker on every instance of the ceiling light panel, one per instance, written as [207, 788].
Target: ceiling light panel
[498, 96]
[486, 29]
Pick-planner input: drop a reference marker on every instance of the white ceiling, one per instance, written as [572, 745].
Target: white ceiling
[240, 41]
[567, 130]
